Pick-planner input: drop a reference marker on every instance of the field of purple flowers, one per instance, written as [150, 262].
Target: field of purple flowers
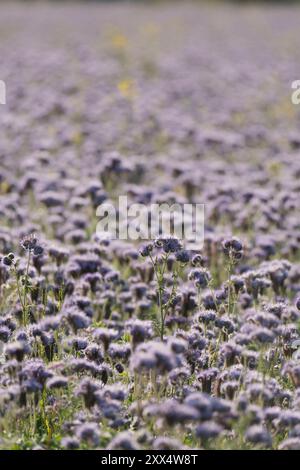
[123, 345]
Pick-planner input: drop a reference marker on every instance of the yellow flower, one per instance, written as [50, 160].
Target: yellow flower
[119, 41]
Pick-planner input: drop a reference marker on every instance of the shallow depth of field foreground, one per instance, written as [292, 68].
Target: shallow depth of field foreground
[136, 345]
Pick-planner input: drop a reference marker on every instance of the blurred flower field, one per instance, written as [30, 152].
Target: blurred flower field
[125, 345]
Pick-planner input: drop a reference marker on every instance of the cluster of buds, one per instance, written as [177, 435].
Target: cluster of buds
[233, 248]
[30, 243]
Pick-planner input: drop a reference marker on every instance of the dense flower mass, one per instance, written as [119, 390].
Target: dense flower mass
[115, 344]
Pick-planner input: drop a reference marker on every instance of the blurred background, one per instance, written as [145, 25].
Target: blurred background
[282, 2]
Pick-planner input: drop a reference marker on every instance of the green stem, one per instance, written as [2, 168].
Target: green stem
[229, 286]
[26, 279]
[20, 293]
